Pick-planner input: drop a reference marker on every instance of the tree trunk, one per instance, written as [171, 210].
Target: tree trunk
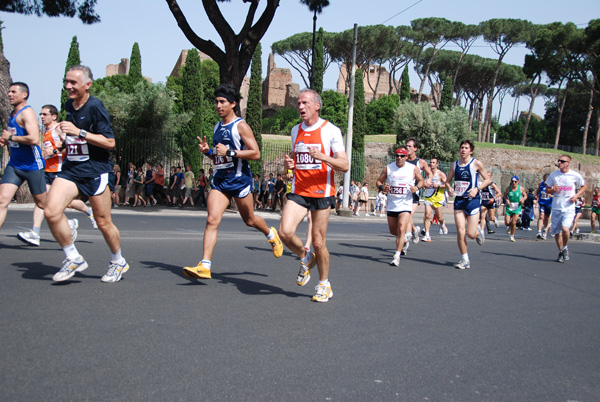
[239, 48]
[561, 108]
[597, 131]
[534, 93]
[587, 121]
[480, 120]
[5, 81]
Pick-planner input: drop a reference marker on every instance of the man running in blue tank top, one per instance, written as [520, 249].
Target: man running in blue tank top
[22, 135]
[467, 202]
[234, 145]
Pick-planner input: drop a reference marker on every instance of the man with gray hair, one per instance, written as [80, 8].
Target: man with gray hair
[87, 171]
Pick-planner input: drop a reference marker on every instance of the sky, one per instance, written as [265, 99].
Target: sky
[37, 47]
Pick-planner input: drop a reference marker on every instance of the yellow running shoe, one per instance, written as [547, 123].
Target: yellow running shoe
[276, 244]
[324, 293]
[198, 272]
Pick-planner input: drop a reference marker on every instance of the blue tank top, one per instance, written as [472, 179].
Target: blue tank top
[23, 157]
[226, 166]
[544, 198]
[465, 178]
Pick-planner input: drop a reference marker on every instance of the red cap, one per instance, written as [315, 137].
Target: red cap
[401, 151]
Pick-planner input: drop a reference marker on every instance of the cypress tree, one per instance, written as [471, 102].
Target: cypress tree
[254, 108]
[405, 86]
[135, 65]
[72, 60]
[446, 97]
[192, 94]
[319, 63]
[359, 128]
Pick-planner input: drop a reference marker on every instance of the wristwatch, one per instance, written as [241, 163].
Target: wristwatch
[83, 133]
[231, 153]
[10, 137]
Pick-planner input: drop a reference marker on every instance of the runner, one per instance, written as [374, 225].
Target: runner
[515, 196]
[317, 151]
[545, 205]
[411, 147]
[399, 180]
[234, 145]
[578, 212]
[595, 210]
[488, 205]
[26, 163]
[87, 171]
[467, 203]
[562, 184]
[435, 199]
[52, 142]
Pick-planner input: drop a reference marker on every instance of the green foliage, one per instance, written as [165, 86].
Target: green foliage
[142, 121]
[192, 97]
[319, 68]
[335, 109]
[254, 109]
[438, 132]
[72, 60]
[359, 128]
[84, 9]
[112, 84]
[538, 130]
[405, 86]
[135, 65]
[446, 98]
[282, 122]
[380, 114]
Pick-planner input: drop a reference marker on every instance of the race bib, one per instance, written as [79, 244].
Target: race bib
[429, 192]
[544, 196]
[460, 187]
[223, 162]
[303, 159]
[485, 196]
[399, 189]
[513, 206]
[77, 149]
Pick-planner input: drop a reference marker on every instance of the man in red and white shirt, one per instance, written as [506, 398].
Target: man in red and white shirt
[317, 152]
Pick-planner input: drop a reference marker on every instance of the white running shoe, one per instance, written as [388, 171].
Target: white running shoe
[69, 268]
[115, 271]
[395, 261]
[415, 235]
[480, 237]
[93, 221]
[496, 223]
[507, 229]
[462, 264]
[426, 238]
[381, 215]
[30, 237]
[404, 248]
[73, 224]
[441, 231]
[445, 229]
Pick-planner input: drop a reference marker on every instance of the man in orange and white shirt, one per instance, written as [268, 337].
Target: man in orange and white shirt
[317, 152]
[54, 159]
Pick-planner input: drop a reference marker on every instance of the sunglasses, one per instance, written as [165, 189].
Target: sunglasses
[514, 181]
[562, 161]
[401, 156]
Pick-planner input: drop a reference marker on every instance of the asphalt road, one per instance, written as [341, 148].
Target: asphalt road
[517, 326]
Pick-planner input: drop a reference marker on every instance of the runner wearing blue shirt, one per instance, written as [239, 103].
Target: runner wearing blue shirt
[22, 136]
[88, 138]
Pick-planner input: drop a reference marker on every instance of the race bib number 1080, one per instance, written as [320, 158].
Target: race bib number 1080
[303, 159]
